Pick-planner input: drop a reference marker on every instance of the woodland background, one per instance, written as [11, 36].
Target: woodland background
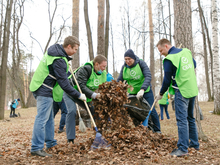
[109, 28]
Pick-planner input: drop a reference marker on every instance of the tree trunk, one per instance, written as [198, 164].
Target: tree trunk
[101, 36]
[215, 48]
[3, 76]
[151, 28]
[107, 30]
[88, 29]
[205, 53]
[183, 36]
[75, 31]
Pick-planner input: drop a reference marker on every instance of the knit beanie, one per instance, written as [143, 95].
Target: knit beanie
[18, 99]
[130, 53]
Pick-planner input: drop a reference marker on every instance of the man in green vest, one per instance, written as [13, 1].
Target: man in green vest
[180, 78]
[163, 103]
[48, 83]
[89, 77]
[137, 74]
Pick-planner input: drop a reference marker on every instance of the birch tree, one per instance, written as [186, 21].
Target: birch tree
[215, 48]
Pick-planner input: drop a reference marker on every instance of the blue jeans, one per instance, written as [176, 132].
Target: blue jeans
[60, 105]
[154, 116]
[43, 130]
[166, 111]
[186, 124]
[70, 117]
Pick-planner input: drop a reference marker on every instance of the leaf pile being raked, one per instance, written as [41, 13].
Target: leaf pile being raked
[117, 127]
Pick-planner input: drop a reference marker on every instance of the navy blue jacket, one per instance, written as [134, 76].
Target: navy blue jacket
[145, 70]
[170, 70]
[58, 70]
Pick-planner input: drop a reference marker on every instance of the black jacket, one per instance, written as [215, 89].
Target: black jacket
[145, 70]
[58, 70]
[82, 75]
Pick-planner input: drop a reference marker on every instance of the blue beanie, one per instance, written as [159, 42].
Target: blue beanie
[130, 53]
[18, 99]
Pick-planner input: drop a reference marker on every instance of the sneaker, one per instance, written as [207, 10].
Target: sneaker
[179, 153]
[173, 151]
[70, 141]
[40, 153]
[196, 148]
[159, 132]
[60, 131]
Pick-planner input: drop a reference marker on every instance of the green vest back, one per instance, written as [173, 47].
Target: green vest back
[135, 78]
[185, 74]
[164, 99]
[94, 80]
[42, 72]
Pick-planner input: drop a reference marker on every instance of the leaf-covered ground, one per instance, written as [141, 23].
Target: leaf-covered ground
[143, 147]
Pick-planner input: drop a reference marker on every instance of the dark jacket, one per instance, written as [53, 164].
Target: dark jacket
[58, 70]
[82, 75]
[145, 70]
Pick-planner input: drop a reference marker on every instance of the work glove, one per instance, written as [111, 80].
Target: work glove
[97, 95]
[158, 97]
[140, 94]
[82, 97]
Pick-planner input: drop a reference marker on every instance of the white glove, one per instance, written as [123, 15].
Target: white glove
[97, 95]
[158, 97]
[140, 94]
[82, 97]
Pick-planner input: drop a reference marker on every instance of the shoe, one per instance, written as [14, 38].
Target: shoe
[40, 153]
[194, 148]
[173, 151]
[60, 131]
[70, 141]
[179, 153]
[159, 132]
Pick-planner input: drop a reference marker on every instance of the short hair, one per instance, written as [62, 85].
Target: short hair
[163, 41]
[99, 58]
[71, 40]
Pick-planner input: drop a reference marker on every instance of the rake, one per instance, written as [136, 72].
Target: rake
[82, 126]
[99, 141]
[145, 122]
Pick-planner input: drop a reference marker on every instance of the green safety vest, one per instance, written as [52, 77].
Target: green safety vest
[135, 78]
[185, 74]
[42, 72]
[164, 99]
[94, 80]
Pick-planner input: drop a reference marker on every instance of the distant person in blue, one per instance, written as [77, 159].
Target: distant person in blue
[13, 106]
[60, 105]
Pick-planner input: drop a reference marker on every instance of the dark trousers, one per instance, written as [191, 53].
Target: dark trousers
[12, 111]
[60, 105]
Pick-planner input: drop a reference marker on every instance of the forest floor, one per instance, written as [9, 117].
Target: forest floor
[16, 133]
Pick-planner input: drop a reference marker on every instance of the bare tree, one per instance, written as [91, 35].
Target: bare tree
[215, 57]
[6, 35]
[75, 30]
[151, 28]
[107, 29]
[88, 29]
[100, 33]
[205, 52]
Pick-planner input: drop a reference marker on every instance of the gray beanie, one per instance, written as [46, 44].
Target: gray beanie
[130, 53]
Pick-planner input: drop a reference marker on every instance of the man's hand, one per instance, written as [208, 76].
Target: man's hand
[82, 97]
[140, 94]
[158, 97]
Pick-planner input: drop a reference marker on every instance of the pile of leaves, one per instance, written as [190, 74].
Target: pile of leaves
[110, 113]
[118, 128]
